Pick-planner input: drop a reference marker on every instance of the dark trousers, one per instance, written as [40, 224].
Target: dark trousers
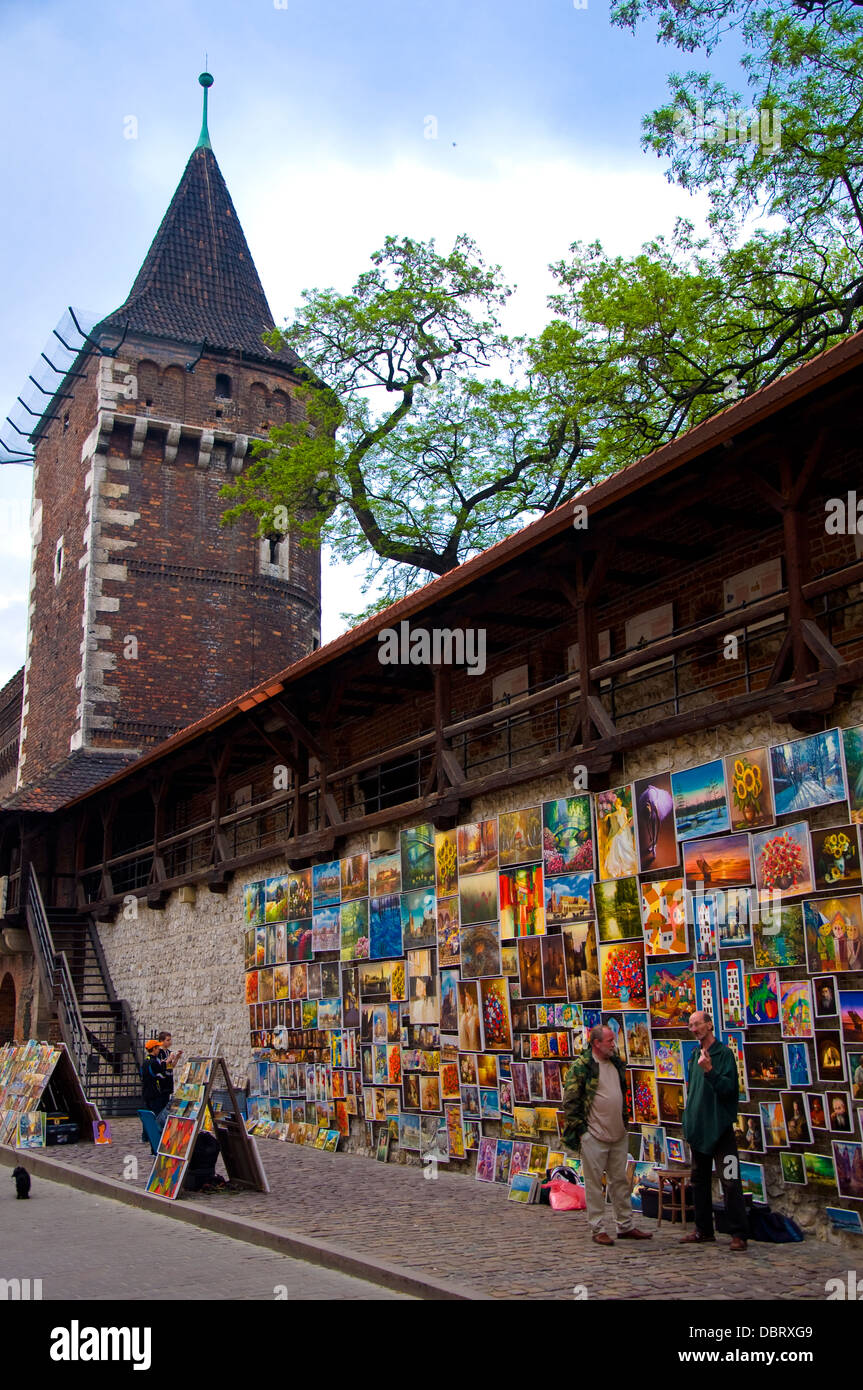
[702, 1169]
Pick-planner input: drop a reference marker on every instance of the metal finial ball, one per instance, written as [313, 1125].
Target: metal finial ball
[206, 79]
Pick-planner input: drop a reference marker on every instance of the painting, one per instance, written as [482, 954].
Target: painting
[582, 962]
[843, 1219]
[354, 929]
[485, 1160]
[326, 883]
[765, 1064]
[568, 898]
[778, 937]
[423, 1002]
[796, 1119]
[834, 931]
[663, 915]
[855, 1074]
[795, 1007]
[848, 1159]
[615, 834]
[447, 931]
[495, 1009]
[749, 1134]
[165, 1178]
[852, 747]
[468, 1016]
[654, 821]
[520, 837]
[417, 847]
[645, 1105]
[762, 997]
[254, 897]
[355, 877]
[299, 894]
[622, 977]
[700, 803]
[385, 927]
[721, 862]
[797, 1063]
[618, 909]
[734, 913]
[807, 772]
[793, 1169]
[385, 874]
[478, 901]
[825, 995]
[419, 919]
[672, 1101]
[567, 835]
[747, 776]
[276, 902]
[828, 1055]
[530, 967]
[477, 848]
[752, 1181]
[836, 858]
[705, 916]
[446, 862]
[522, 902]
[668, 1059]
[32, 1127]
[782, 859]
[503, 1160]
[707, 995]
[637, 1039]
[326, 929]
[816, 1109]
[454, 1132]
[479, 951]
[553, 967]
[820, 1171]
[840, 1116]
[449, 1001]
[671, 992]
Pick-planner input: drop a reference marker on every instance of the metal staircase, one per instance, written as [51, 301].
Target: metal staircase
[96, 1026]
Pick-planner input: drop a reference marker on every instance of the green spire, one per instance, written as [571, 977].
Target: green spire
[204, 139]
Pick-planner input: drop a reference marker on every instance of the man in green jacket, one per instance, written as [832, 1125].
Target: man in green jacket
[594, 1114]
[708, 1124]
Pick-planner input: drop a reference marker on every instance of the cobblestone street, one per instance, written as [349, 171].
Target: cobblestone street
[453, 1229]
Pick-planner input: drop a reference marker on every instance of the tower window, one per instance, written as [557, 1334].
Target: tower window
[65, 422]
[58, 560]
[223, 387]
[274, 555]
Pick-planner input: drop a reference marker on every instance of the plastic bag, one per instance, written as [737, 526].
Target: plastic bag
[566, 1196]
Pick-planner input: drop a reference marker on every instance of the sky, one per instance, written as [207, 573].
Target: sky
[320, 118]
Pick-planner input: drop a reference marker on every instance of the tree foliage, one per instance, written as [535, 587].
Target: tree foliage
[425, 434]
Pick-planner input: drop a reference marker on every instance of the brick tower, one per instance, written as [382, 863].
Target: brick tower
[145, 613]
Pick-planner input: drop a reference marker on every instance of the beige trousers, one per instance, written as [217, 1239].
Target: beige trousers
[597, 1158]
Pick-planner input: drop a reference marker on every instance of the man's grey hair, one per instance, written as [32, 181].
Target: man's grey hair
[598, 1031]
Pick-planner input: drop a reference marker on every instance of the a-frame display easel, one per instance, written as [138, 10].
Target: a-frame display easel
[30, 1070]
[190, 1112]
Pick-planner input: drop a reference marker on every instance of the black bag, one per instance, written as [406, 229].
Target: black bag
[768, 1225]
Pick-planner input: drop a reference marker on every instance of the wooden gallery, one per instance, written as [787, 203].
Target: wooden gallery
[401, 889]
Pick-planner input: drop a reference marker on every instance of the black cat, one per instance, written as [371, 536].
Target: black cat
[22, 1182]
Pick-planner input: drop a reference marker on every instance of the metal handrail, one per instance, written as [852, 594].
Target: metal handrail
[55, 970]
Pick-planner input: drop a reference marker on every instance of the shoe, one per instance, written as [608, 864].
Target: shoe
[634, 1234]
[696, 1238]
[602, 1239]
[737, 1243]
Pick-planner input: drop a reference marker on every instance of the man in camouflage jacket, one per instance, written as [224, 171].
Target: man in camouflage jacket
[594, 1111]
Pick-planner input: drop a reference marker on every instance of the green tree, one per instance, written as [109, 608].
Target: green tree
[403, 452]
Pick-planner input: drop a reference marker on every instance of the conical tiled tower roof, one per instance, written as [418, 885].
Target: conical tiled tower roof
[198, 281]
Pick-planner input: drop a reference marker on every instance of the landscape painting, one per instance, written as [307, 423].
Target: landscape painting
[700, 802]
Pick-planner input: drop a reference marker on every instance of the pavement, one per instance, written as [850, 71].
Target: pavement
[446, 1237]
[84, 1247]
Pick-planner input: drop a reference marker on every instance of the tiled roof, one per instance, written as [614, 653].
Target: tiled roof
[81, 772]
[198, 281]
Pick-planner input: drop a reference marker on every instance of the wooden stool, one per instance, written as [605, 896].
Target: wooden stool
[677, 1179]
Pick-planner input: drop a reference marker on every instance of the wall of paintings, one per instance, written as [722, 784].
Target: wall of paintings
[438, 985]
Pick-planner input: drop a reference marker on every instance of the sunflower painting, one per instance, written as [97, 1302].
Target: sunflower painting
[749, 789]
